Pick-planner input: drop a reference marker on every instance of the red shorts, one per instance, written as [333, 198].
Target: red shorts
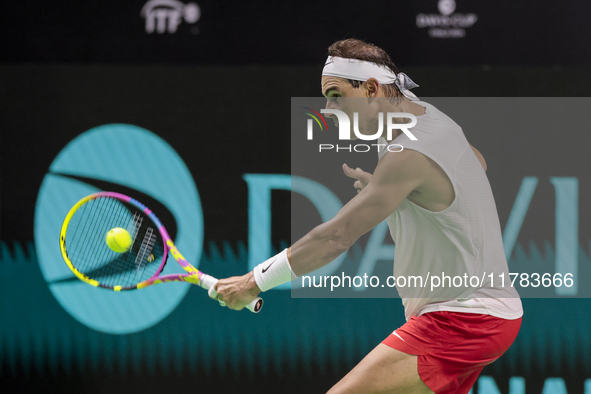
[453, 347]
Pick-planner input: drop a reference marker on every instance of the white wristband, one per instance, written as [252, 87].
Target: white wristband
[273, 272]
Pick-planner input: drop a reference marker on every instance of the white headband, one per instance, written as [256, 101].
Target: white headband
[360, 70]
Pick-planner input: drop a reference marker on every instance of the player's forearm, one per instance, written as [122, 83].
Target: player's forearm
[329, 240]
[318, 248]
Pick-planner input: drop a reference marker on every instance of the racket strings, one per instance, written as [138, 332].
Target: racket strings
[91, 222]
[88, 250]
[86, 216]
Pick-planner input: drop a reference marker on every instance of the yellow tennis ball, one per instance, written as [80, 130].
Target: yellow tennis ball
[119, 240]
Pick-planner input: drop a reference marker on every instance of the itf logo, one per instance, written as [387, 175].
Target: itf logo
[166, 15]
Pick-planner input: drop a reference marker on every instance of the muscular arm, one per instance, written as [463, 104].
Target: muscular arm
[395, 177]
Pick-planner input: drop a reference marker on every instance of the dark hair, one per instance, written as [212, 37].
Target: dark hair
[352, 48]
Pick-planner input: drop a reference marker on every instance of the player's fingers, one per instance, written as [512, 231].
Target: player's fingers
[357, 185]
[357, 173]
[363, 176]
[234, 306]
[351, 173]
[212, 293]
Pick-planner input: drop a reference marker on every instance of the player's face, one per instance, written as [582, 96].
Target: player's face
[341, 95]
[334, 88]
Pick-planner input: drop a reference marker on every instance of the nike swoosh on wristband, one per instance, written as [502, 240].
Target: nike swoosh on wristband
[269, 266]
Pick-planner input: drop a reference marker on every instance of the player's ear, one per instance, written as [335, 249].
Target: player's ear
[372, 87]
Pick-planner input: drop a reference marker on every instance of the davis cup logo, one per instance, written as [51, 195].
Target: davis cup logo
[107, 157]
[448, 23]
[446, 7]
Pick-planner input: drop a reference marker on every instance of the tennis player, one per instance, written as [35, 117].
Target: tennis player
[439, 206]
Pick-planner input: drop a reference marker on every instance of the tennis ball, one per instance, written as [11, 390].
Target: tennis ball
[119, 240]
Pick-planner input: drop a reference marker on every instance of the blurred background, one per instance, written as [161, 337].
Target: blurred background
[99, 95]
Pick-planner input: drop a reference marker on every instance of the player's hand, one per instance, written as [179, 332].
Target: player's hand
[361, 177]
[236, 292]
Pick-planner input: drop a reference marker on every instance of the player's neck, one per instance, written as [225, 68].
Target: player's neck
[402, 105]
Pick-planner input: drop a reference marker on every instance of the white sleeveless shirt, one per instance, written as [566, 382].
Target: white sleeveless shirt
[464, 240]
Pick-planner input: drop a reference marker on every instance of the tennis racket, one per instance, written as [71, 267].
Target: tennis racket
[87, 254]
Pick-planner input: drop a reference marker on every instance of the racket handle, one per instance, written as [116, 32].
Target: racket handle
[208, 282]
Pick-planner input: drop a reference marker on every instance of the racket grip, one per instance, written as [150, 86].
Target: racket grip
[207, 282]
